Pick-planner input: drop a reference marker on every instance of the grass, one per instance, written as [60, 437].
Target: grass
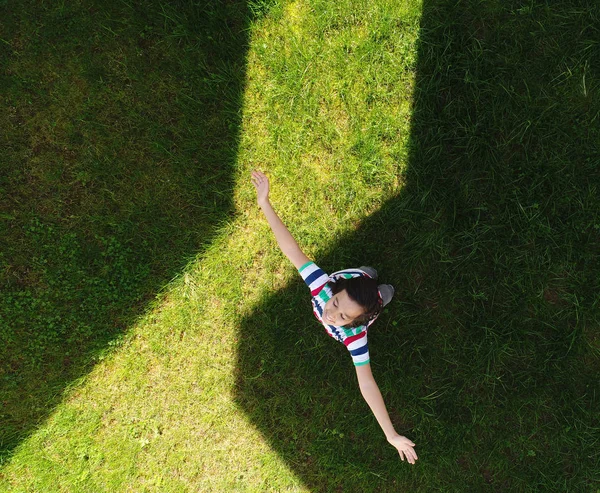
[155, 339]
[104, 194]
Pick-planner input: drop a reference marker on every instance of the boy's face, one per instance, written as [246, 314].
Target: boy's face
[341, 310]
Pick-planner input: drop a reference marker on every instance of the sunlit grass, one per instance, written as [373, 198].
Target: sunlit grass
[157, 412]
[452, 148]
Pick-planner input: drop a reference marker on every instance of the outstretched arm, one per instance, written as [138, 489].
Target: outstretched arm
[372, 395]
[286, 241]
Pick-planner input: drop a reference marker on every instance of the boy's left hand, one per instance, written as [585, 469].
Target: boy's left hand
[404, 447]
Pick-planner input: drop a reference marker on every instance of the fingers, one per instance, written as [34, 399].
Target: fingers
[408, 453]
[258, 178]
[411, 455]
[257, 175]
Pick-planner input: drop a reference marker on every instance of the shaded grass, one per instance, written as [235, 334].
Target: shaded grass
[476, 197]
[120, 137]
[488, 360]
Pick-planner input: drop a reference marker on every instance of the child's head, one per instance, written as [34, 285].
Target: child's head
[354, 302]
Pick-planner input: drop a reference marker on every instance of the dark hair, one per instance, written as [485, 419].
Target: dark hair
[362, 290]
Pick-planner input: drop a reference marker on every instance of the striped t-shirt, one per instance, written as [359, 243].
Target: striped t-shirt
[355, 339]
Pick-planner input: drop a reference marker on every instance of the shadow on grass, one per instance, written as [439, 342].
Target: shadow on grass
[488, 356]
[120, 135]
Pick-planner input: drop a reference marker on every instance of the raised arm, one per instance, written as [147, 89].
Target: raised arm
[371, 394]
[286, 241]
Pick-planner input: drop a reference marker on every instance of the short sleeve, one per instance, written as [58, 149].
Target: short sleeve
[314, 277]
[359, 349]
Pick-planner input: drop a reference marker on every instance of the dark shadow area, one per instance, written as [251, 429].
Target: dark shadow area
[120, 134]
[488, 356]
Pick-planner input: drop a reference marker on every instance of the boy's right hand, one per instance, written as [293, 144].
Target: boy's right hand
[261, 183]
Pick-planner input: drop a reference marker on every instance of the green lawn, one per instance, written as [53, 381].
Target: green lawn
[154, 339]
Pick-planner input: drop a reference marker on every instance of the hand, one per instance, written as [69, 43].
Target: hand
[261, 183]
[405, 448]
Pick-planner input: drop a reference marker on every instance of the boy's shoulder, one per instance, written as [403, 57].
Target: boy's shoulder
[314, 277]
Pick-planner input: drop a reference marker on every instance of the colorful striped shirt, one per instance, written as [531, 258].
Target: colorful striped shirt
[355, 339]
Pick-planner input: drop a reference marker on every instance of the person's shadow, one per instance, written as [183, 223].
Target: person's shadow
[492, 248]
[120, 137]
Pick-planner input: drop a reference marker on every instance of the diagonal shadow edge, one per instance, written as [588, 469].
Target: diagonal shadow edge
[450, 243]
[128, 250]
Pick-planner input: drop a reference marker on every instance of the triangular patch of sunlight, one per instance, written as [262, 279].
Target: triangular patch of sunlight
[159, 410]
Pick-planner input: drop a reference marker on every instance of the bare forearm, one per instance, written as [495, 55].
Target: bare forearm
[286, 241]
[371, 393]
